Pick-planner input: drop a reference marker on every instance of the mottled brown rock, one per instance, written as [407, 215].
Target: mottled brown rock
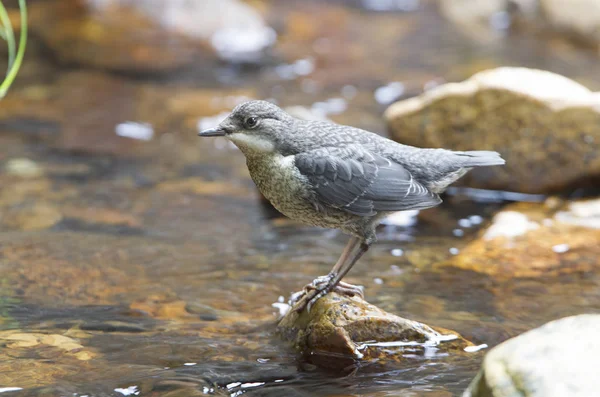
[338, 331]
[159, 307]
[33, 359]
[18, 339]
[116, 38]
[546, 126]
[32, 217]
[530, 240]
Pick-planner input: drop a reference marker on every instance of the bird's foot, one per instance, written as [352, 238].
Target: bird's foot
[341, 288]
[320, 287]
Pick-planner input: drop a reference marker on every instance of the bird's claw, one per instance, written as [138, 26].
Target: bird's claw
[314, 299]
[320, 287]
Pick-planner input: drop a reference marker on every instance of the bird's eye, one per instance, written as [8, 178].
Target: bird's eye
[251, 122]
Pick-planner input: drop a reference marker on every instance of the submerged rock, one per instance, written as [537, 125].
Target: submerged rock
[34, 359]
[27, 216]
[341, 330]
[539, 121]
[529, 240]
[544, 362]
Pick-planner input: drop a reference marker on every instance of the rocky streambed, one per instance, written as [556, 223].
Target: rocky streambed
[136, 260]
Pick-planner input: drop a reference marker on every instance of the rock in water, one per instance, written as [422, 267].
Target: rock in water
[557, 359]
[576, 21]
[341, 330]
[581, 19]
[539, 121]
[115, 38]
[152, 36]
[533, 240]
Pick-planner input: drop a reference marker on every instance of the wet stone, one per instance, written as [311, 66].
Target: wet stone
[33, 359]
[575, 23]
[579, 20]
[32, 217]
[531, 240]
[219, 22]
[542, 362]
[204, 312]
[115, 38]
[340, 331]
[162, 307]
[24, 168]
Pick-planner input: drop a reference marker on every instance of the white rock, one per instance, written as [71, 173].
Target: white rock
[558, 359]
[402, 218]
[235, 29]
[509, 224]
[133, 130]
[577, 16]
[556, 91]
[23, 167]
[581, 213]
[473, 16]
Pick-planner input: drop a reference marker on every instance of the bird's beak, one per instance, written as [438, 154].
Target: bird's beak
[217, 131]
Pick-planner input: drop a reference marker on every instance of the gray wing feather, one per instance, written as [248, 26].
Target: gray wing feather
[360, 182]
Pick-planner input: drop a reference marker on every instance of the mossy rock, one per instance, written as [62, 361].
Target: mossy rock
[546, 126]
[340, 330]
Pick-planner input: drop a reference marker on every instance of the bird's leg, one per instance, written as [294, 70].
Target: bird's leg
[344, 269]
[321, 281]
[324, 285]
[350, 246]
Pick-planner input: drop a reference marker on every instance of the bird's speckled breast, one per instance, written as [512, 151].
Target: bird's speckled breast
[288, 190]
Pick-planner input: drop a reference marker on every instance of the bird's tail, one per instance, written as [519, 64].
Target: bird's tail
[480, 158]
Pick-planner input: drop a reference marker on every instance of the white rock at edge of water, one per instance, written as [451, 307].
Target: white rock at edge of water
[558, 359]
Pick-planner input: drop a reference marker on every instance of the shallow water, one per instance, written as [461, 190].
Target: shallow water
[158, 256]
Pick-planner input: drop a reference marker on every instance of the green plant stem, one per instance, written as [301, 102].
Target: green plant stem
[12, 73]
[8, 35]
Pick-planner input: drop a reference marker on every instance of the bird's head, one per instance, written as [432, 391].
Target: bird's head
[256, 127]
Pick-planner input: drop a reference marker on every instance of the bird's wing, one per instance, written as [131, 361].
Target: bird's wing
[361, 182]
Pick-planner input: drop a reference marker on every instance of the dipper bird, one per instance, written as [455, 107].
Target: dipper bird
[336, 176]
